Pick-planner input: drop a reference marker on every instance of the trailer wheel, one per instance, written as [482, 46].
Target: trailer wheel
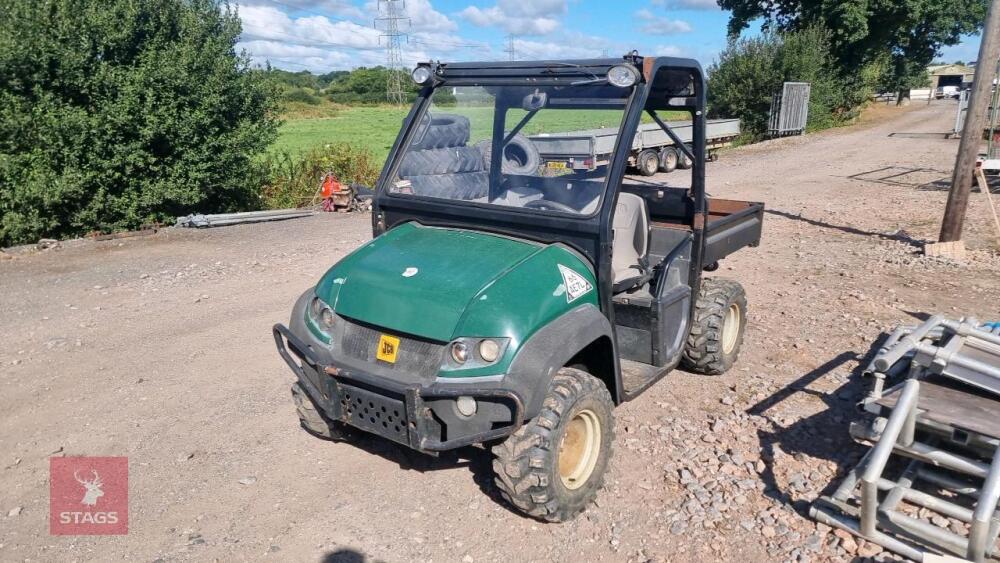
[313, 421]
[553, 466]
[720, 319]
[648, 162]
[668, 159]
[685, 162]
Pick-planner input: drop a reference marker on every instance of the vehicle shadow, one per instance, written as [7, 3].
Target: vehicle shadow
[344, 555]
[899, 236]
[824, 435]
[478, 460]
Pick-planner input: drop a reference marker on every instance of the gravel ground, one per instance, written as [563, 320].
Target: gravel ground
[158, 348]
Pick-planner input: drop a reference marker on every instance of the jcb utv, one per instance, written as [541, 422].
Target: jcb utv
[518, 287]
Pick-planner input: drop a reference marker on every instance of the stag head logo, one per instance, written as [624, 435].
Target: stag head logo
[93, 488]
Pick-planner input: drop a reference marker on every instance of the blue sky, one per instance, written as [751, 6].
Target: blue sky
[325, 35]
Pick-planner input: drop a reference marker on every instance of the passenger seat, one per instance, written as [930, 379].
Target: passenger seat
[630, 227]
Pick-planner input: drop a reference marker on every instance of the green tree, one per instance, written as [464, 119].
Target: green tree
[751, 70]
[114, 113]
[900, 37]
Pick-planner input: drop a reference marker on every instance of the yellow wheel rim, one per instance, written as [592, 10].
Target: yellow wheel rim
[580, 448]
[731, 328]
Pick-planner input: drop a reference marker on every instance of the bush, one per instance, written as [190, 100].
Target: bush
[301, 95]
[292, 181]
[751, 70]
[115, 113]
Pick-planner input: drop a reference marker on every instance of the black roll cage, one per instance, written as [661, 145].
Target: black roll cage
[666, 83]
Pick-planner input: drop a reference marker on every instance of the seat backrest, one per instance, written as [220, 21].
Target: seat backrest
[630, 226]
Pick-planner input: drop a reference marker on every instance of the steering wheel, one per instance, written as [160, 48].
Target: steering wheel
[547, 205]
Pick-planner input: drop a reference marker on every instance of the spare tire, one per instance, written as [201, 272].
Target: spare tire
[520, 156]
[470, 185]
[440, 131]
[441, 161]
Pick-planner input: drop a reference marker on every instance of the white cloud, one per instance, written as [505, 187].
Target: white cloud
[531, 50]
[343, 8]
[420, 16]
[669, 51]
[657, 25]
[271, 24]
[520, 17]
[687, 4]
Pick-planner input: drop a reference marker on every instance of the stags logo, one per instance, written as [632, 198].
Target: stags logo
[88, 495]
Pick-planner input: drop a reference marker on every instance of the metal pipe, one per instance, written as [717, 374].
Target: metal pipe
[880, 455]
[849, 525]
[906, 344]
[974, 331]
[898, 490]
[942, 356]
[949, 460]
[948, 482]
[929, 532]
[931, 502]
[985, 509]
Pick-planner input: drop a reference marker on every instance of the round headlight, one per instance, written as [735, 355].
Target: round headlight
[326, 318]
[459, 352]
[623, 76]
[421, 75]
[316, 307]
[489, 350]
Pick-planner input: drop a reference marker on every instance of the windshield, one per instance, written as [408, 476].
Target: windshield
[542, 148]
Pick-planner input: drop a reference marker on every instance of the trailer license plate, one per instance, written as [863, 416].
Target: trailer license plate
[388, 348]
[558, 165]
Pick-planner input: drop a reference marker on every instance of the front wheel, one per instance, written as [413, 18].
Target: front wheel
[648, 162]
[553, 466]
[314, 421]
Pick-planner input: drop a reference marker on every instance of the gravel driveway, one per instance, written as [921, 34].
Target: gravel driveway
[159, 348]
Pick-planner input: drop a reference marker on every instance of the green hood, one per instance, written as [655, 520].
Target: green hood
[442, 284]
[419, 280]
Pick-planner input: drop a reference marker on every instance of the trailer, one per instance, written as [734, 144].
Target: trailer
[652, 149]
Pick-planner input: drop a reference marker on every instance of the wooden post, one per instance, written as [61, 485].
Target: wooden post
[972, 131]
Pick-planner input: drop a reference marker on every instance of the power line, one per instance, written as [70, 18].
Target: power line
[388, 21]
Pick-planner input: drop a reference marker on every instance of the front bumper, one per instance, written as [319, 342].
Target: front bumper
[403, 413]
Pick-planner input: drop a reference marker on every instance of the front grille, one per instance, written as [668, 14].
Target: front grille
[375, 413]
[417, 358]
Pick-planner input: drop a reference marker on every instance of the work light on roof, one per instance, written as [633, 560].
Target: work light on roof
[421, 75]
[623, 76]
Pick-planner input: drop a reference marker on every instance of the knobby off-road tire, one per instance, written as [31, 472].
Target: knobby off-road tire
[313, 421]
[441, 131]
[553, 466]
[464, 186]
[720, 319]
[453, 160]
[521, 156]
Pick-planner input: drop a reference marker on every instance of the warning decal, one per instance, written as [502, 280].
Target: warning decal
[576, 285]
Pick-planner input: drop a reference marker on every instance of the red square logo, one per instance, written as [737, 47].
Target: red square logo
[88, 496]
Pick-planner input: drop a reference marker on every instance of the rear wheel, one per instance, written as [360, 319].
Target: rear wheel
[313, 420]
[648, 162]
[553, 466]
[685, 162]
[668, 159]
[720, 321]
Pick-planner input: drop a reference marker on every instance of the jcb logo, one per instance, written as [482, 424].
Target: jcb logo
[388, 347]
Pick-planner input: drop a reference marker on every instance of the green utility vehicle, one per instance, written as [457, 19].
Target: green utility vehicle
[511, 302]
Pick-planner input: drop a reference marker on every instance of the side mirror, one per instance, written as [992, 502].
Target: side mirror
[535, 101]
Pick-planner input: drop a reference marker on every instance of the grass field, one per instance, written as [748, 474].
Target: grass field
[375, 128]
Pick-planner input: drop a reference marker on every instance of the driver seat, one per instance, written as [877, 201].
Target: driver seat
[630, 228]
